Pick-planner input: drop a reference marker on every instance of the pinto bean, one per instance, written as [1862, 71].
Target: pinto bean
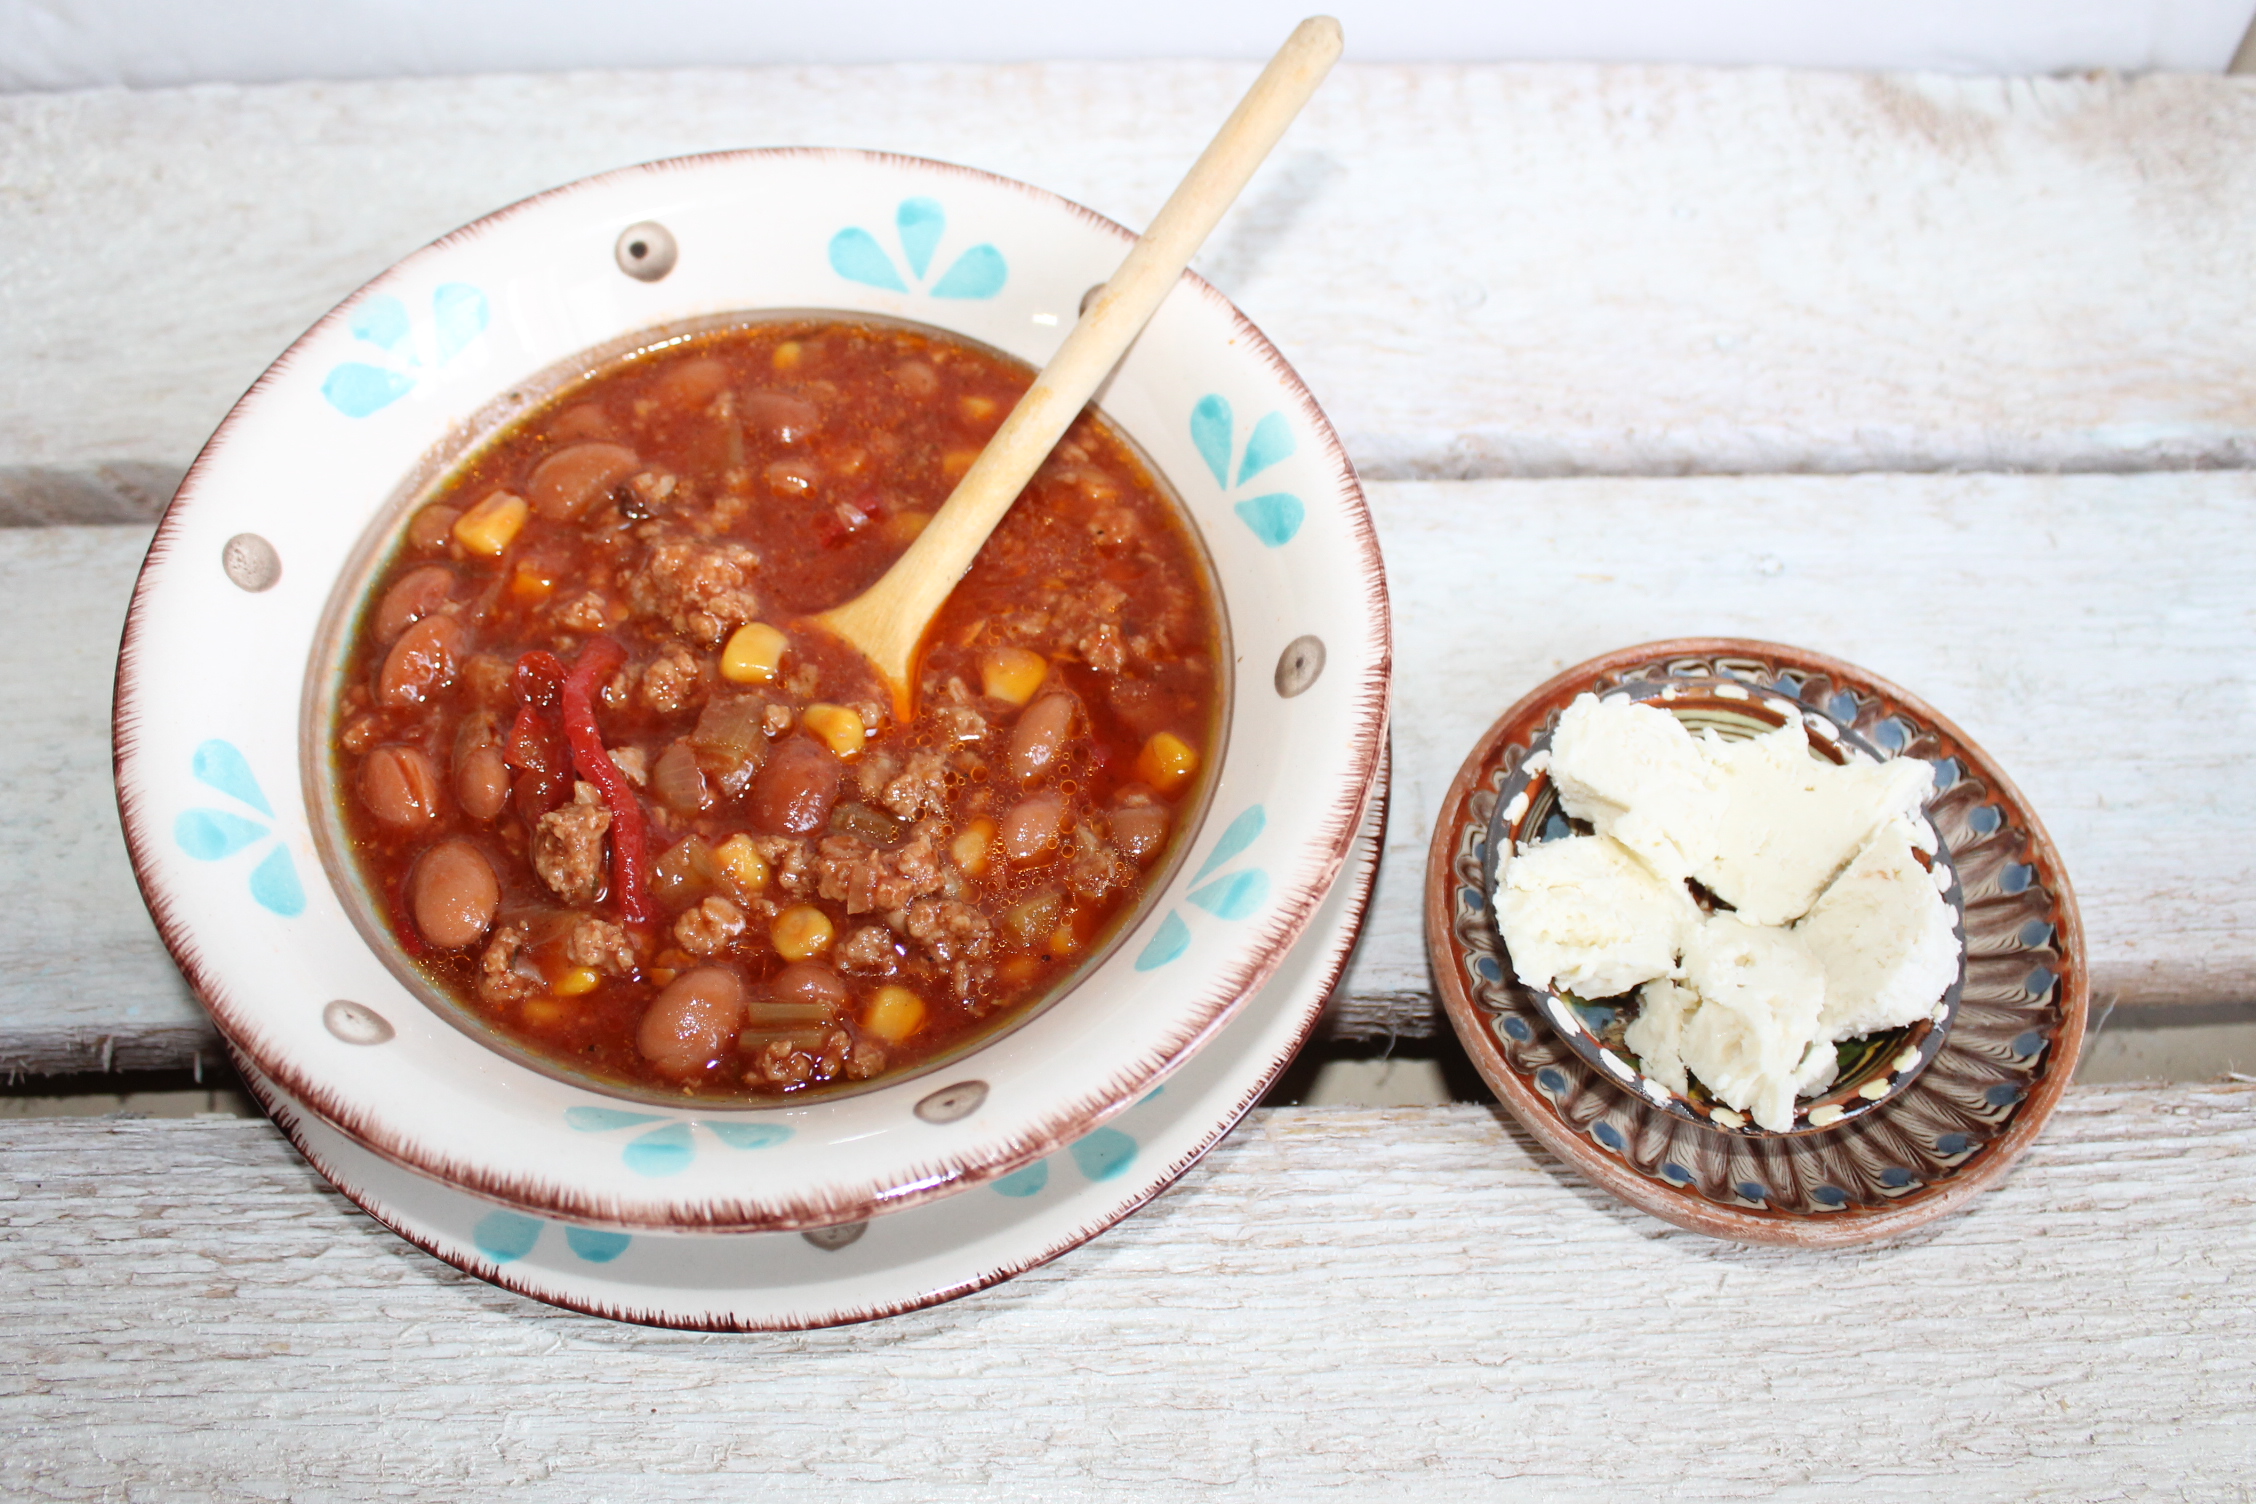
[1030, 831]
[481, 783]
[1140, 830]
[421, 663]
[454, 894]
[413, 596]
[796, 787]
[562, 486]
[809, 985]
[692, 385]
[693, 1021]
[780, 417]
[1038, 741]
[400, 787]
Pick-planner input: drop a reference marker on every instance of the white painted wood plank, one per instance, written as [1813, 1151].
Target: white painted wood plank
[1408, 1303]
[2090, 631]
[1482, 270]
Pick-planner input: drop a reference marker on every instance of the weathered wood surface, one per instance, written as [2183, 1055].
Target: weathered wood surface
[1482, 270]
[2090, 631]
[1339, 1303]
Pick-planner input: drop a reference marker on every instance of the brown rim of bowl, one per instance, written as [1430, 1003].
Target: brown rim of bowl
[1832, 1231]
[284, 1114]
[920, 1182]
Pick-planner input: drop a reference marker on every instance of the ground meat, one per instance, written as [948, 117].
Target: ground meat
[633, 762]
[1089, 626]
[500, 978]
[870, 951]
[776, 719]
[568, 846]
[489, 679]
[947, 930]
[779, 1064]
[699, 588]
[1096, 870]
[922, 788]
[874, 770]
[1114, 528]
[865, 877]
[710, 927]
[649, 492]
[584, 612]
[674, 680]
[600, 946]
[791, 862]
[866, 1061]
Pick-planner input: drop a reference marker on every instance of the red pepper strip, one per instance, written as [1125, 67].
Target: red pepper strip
[598, 661]
[536, 742]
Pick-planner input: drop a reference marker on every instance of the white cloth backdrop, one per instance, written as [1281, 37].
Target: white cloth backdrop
[77, 44]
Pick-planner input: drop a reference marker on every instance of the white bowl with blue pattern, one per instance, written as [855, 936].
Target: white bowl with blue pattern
[221, 762]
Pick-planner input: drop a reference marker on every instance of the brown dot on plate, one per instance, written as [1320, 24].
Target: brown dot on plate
[953, 1103]
[251, 562]
[646, 251]
[831, 1239]
[355, 1023]
[1300, 665]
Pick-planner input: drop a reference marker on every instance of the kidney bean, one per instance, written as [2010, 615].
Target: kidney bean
[1030, 831]
[562, 486]
[693, 1021]
[809, 985]
[454, 894]
[692, 385]
[421, 663]
[780, 417]
[795, 788]
[1140, 830]
[400, 787]
[1038, 741]
[413, 596]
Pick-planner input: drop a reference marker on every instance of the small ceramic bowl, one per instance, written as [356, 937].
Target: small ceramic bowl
[230, 652]
[1871, 1069]
[1929, 1146]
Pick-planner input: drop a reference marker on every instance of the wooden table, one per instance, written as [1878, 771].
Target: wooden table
[1947, 377]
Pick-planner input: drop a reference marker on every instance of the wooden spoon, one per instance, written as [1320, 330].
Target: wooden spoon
[888, 621]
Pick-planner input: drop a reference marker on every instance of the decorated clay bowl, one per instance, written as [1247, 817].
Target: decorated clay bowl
[1871, 1069]
[233, 647]
[1940, 1132]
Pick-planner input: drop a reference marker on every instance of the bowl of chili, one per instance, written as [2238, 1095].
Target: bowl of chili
[610, 739]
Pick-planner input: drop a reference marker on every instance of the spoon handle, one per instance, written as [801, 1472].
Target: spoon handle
[888, 620]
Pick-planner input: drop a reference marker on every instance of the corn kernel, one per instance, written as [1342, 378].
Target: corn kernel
[540, 1012]
[492, 525]
[741, 865]
[1167, 762]
[901, 529]
[894, 1014]
[577, 982]
[787, 355]
[837, 728]
[1018, 970]
[531, 581]
[754, 654]
[971, 846]
[801, 932]
[955, 462]
[978, 409]
[1012, 674]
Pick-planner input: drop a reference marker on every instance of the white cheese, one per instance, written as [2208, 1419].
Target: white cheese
[1884, 937]
[1789, 821]
[1582, 915]
[1637, 775]
[1760, 993]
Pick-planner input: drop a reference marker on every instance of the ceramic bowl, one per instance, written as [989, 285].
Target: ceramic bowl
[221, 767]
[1926, 1149]
[1871, 1069]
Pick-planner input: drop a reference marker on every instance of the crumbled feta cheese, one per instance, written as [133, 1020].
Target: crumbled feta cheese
[1637, 775]
[1884, 938]
[1760, 995]
[1581, 914]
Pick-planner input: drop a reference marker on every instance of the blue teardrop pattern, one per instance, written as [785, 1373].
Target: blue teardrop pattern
[506, 1237]
[596, 1247]
[1027, 1182]
[1233, 896]
[671, 1146]
[919, 225]
[1104, 1154]
[214, 835]
[1274, 517]
[398, 360]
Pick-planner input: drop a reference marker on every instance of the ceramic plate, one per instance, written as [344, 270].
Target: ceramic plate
[896, 1263]
[1920, 1153]
[229, 653]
